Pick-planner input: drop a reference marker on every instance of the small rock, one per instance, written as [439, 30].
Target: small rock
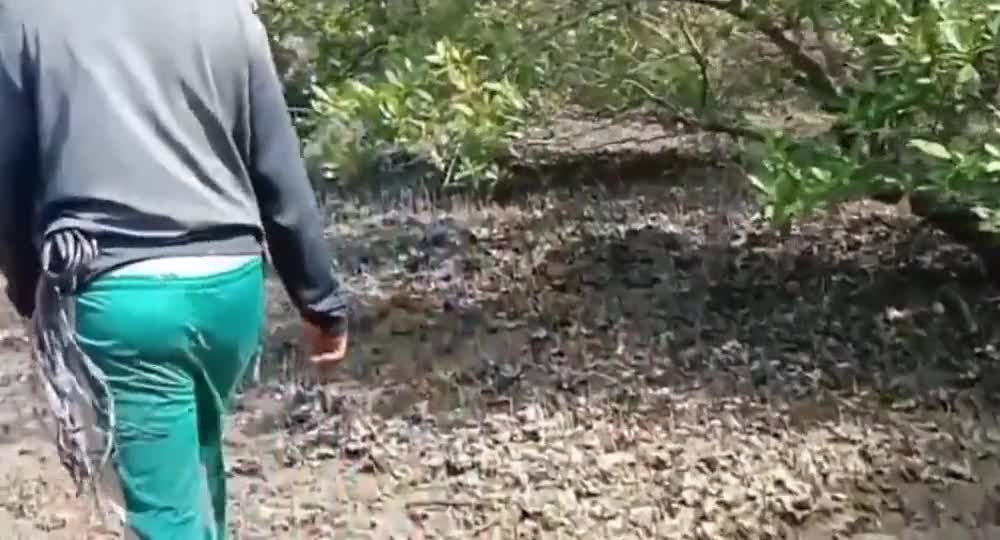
[530, 414]
[959, 471]
[438, 234]
[645, 517]
[609, 462]
[247, 467]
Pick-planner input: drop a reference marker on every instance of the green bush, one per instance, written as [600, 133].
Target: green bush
[909, 86]
[457, 82]
[920, 117]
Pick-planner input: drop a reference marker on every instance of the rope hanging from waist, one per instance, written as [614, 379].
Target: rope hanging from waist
[75, 388]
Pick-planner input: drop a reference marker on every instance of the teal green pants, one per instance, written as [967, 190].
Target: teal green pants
[173, 349]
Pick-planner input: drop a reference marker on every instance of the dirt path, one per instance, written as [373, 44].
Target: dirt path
[607, 365]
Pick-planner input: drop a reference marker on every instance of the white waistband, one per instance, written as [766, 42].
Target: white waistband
[184, 266]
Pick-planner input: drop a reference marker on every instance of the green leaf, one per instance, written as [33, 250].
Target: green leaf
[891, 40]
[435, 59]
[456, 79]
[760, 186]
[967, 74]
[823, 175]
[932, 149]
[464, 109]
[949, 31]
[441, 49]
[321, 94]
[981, 212]
[993, 167]
[393, 79]
[361, 88]
[424, 95]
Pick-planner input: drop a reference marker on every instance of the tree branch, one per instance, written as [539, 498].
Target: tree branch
[569, 24]
[817, 79]
[700, 59]
[682, 117]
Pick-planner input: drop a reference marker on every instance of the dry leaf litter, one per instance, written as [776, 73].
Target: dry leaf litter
[647, 361]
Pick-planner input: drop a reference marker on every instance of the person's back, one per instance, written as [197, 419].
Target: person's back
[142, 113]
[143, 108]
[156, 134]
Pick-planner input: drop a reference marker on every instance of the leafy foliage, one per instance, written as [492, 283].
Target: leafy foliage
[458, 81]
[919, 116]
[909, 85]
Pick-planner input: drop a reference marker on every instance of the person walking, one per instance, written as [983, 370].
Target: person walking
[148, 165]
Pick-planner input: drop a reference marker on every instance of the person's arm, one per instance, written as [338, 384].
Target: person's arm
[292, 222]
[19, 262]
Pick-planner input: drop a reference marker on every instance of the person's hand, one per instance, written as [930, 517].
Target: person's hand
[326, 350]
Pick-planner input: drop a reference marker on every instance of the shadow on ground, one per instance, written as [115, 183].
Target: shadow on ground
[624, 360]
[660, 275]
[855, 354]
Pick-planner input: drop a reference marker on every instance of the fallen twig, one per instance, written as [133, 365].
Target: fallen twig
[446, 504]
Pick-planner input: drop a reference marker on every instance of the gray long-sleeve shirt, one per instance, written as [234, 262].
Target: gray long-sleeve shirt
[159, 128]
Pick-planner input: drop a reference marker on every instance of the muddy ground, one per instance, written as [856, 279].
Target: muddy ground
[639, 362]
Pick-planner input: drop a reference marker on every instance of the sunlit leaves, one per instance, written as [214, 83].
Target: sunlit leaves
[459, 82]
